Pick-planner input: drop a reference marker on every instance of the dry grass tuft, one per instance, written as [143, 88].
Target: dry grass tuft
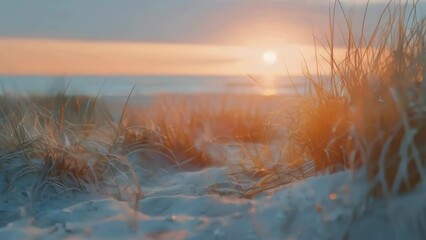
[183, 131]
[321, 133]
[369, 110]
[63, 140]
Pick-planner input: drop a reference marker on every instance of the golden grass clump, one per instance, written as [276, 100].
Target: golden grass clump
[182, 131]
[321, 133]
[67, 149]
[369, 109]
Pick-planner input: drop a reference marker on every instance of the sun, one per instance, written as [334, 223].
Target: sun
[269, 57]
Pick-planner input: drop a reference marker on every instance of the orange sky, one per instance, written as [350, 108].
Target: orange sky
[71, 57]
[173, 37]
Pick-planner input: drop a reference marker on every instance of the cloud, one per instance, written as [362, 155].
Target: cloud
[183, 21]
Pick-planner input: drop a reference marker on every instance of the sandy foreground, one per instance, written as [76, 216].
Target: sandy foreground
[205, 204]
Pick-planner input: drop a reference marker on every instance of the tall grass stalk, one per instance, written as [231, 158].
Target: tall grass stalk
[369, 109]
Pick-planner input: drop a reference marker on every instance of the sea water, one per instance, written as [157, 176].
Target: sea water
[151, 85]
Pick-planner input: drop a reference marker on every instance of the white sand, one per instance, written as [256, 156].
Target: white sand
[205, 205]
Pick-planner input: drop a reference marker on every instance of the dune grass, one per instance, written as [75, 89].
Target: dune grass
[74, 143]
[367, 109]
[184, 131]
[65, 146]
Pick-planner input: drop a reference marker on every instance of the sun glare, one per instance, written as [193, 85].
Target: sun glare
[269, 57]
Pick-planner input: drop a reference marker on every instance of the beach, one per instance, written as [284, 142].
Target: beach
[213, 201]
[204, 205]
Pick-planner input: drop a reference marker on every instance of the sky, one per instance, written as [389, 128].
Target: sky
[170, 37]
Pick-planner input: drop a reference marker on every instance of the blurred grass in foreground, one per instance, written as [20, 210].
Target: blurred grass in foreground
[367, 110]
[74, 142]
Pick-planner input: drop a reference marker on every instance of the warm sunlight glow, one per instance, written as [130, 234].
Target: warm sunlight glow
[269, 57]
[78, 57]
[269, 85]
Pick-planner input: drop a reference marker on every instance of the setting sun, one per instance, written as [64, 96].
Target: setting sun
[269, 57]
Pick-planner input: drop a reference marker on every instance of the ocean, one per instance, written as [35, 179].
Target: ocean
[151, 85]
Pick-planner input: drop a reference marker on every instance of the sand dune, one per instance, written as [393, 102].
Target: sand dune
[182, 206]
